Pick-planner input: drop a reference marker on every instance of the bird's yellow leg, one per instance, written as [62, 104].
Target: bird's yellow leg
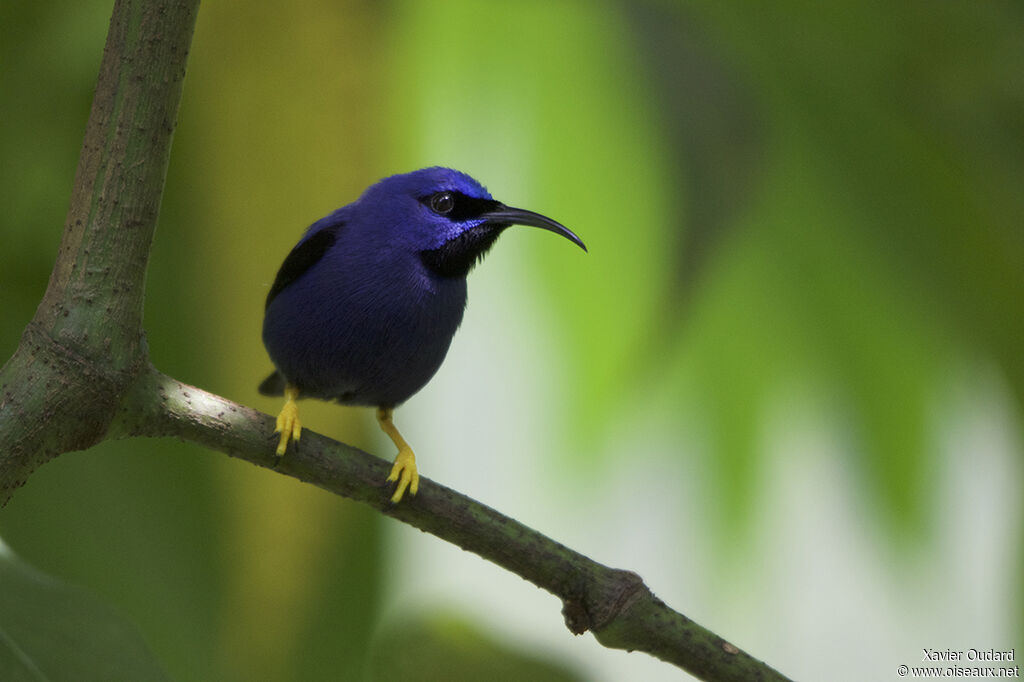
[288, 424]
[404, 469]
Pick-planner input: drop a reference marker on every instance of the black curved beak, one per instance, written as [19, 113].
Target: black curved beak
[506, 215]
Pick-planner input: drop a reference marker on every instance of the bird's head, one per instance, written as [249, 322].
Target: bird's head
[446, 217]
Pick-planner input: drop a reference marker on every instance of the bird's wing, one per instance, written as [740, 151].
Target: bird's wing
[305, 255]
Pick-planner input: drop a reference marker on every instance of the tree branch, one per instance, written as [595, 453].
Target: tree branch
[614, 604]
[81, 373]
[61, 388]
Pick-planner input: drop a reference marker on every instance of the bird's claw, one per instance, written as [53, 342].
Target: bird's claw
[404, 472]
[288, 425]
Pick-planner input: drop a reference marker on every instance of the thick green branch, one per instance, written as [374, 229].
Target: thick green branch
[614, 604]
[62, 386]
[119, 182]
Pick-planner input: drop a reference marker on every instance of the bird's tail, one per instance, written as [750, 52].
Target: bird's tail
[272, 385]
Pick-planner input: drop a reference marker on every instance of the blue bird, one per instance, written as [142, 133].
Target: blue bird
[365, 306]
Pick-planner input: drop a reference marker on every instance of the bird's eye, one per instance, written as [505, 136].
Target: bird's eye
[442, 203]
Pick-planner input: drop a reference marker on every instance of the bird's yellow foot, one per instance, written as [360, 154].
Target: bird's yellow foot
[404, 472]
[288, 424]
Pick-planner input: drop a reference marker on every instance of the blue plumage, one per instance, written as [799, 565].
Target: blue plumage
[364, 308]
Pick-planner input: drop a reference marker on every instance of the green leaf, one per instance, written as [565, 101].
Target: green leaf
[51, 631]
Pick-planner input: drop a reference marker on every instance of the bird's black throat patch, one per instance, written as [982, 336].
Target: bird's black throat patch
[457, 256]
[302, 258]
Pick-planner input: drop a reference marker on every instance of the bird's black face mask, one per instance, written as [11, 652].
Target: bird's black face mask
[457, 256]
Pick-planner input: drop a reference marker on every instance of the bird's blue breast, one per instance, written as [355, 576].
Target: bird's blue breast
[366, 324]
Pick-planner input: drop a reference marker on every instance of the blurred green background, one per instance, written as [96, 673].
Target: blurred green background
[785, 385]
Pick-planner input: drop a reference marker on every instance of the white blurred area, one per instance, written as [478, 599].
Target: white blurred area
[819, 593]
